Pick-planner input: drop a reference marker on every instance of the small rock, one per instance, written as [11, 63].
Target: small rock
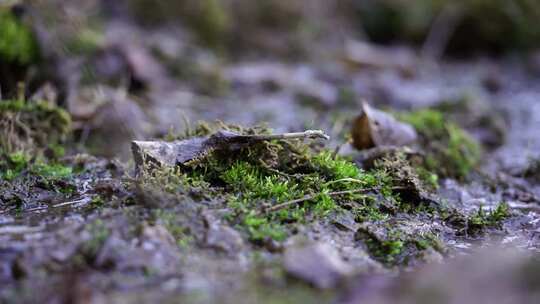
[345, 221]
[224, 238]
[430, 256]
[158, 234]
[317, 264]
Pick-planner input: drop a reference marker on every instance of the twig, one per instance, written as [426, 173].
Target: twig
[78, 201]
[346, 179]
[312, 196]
[294, 135]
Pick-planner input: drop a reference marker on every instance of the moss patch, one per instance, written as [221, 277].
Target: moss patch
[32, 127]
[269, 189]
[396, 243]
[256, 179]
[450, 150]
[17, 42]
[31, 138]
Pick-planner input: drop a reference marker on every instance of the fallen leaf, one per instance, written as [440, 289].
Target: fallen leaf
[375, 128]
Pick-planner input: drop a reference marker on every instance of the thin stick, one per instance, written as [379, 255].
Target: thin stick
[294, 135]
[79, 201]
[347, 179]
[312, 196]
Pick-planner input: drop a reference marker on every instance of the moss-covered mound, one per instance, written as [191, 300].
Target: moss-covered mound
[270, 189]
[30, 127]
[29, 132]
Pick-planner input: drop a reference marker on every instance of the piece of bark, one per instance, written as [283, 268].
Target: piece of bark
[375, 128]
[180, 152]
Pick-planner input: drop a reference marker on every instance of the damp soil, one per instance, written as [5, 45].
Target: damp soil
[100, 236]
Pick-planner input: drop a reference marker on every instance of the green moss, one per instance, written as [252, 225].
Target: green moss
[336, 167]
[12, 164]
[385, 250]
[429, 240]
[395, 245]
[17, 42]
[57, 150]
[170, 222]
[478, 222]
[482, 220]
[31, 127]
[429, 178]
[267, 174]
[260, 228]
[369, 211]
[97, 202]
[428, 122]
[30, 132]
[250, 182]
[450, 150]
[54, 171]
[463, 152]
[18, 160]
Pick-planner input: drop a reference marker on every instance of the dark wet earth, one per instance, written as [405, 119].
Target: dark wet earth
[101, 243]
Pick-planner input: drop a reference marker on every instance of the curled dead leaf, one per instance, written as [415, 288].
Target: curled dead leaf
[375, 128]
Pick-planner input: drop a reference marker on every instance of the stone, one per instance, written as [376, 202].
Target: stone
[317, 264]
[224, 238]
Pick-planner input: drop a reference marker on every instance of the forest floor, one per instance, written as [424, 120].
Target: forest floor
[86, 226]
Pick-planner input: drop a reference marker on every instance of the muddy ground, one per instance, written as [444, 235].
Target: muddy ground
[100, 234]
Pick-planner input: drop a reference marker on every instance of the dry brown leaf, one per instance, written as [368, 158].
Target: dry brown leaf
[375, 128]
